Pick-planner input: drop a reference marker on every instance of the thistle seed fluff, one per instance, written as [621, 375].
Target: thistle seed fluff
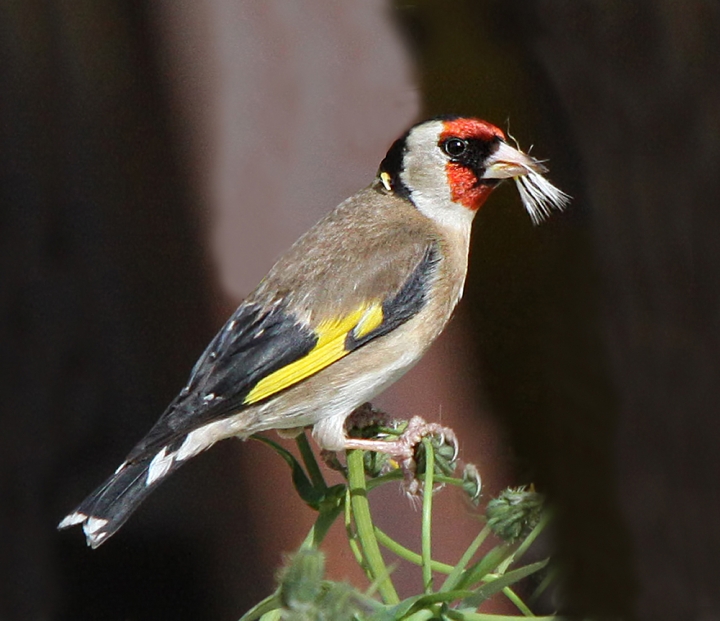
[539, 196]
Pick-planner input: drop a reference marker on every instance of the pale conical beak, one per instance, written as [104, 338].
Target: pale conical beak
[538, 195]
[508, 162]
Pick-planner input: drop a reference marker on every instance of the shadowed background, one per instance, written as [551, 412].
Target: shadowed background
[156, 157]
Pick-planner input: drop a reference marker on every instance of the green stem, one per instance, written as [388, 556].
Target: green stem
[426, 548]
[393, 475]
[397, 475]
[363, 523]
[404, 553]
[515, 599]
[522, 548]
[310, 462]
[352, 535]
[454, 577]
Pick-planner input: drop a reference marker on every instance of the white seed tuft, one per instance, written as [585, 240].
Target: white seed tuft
[539, 196]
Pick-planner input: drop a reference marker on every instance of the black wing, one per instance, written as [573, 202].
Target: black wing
[252, 344]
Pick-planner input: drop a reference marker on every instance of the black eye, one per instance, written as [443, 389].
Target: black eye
[454, 147]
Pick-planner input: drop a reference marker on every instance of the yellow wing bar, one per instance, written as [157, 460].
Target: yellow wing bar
[332, 335]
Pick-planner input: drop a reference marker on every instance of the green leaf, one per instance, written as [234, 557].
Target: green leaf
[498, 584]
[311, 464]
[330, 508]
[470, 615]
[484, 566]
[270, 603]
[453, 578]
[392, 613]
[305, 489]
[412, 605]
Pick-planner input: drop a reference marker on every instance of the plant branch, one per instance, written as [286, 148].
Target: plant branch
[427, 515]
[407, 554]
[364, 526]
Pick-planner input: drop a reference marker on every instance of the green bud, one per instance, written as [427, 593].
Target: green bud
[514, 513]
[445, 458]
[301, 579]
[306, 596]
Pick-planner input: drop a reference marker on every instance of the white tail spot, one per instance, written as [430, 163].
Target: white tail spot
[159, 466]
[72, 519]
[93, 525]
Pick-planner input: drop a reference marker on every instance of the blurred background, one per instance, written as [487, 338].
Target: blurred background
[156, 157]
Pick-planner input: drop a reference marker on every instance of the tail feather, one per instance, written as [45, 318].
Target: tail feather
[104, 511]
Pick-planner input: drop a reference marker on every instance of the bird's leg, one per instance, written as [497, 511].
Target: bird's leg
[401, 449]
[360, 419]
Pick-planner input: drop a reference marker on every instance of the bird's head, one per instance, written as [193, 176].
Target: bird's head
[448, 166]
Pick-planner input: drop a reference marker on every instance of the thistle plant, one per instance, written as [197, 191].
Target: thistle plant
[513, 520]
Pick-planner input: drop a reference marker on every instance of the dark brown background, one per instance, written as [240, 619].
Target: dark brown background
[595, 336]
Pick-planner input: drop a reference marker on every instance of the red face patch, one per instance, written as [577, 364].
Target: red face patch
[464, 187]
[463, 180]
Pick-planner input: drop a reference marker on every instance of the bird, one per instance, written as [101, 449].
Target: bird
[344, 313]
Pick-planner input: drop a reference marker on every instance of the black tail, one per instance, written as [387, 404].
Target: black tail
[104, 511]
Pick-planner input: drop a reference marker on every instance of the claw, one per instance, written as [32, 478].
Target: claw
[402, 449]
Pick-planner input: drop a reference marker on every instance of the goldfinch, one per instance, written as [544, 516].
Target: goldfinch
[350, 307]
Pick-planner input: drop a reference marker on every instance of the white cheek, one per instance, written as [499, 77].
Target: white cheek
[425, 175]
